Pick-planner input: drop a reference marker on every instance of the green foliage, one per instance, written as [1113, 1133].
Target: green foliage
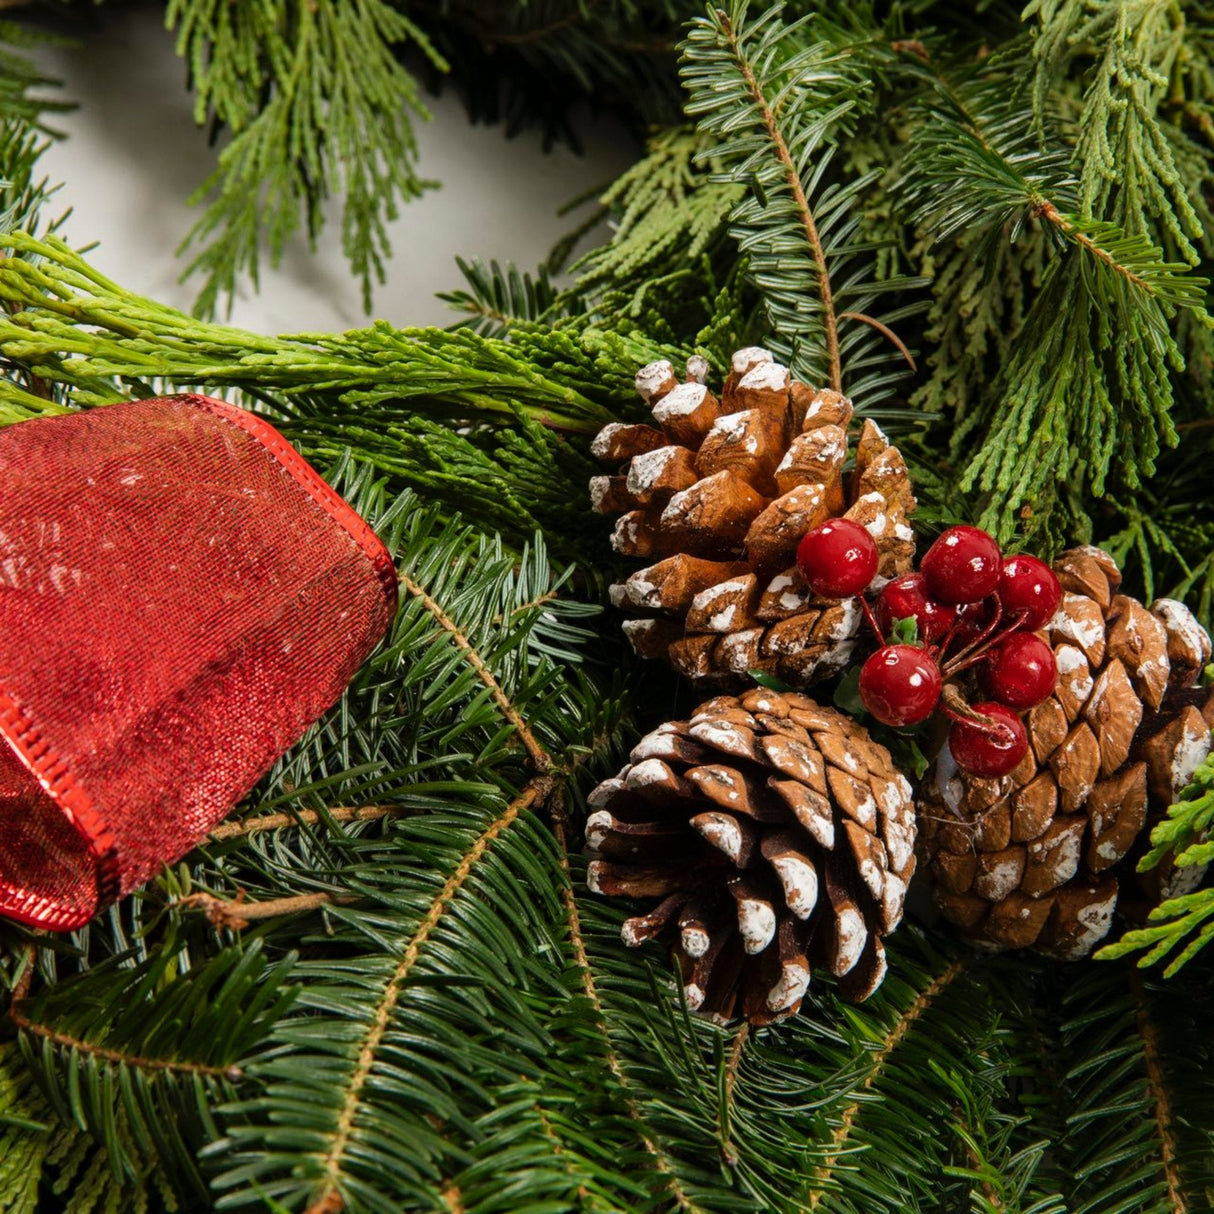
[1184, 920]
[383, 985]
[669, 210]
[494, 426]
[1083, 387]
[777, 100]
[497, 296]
[316, 104]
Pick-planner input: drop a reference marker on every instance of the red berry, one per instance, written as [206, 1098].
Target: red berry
[1028, 585]
[900, 685]
[906, 598]
[838, 559]
[1020, 671]
[962, 566]
[985, 751]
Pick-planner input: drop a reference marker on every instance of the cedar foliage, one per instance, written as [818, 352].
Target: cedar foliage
[442, 1018]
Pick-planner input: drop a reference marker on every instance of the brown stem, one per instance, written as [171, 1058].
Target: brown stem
[793, 179]
[876, 1067]
[1157, 1085]
[304, 817]
[729, 1155]
[1046, 210]
[235, 914]
[953, 704]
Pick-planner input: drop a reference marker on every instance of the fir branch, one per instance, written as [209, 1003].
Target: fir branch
[498, 296]
[1159, 1094]
[892, 1039]
[577, 939]
[541, 761]
[328, 1198]
[778, 108]
[792, 179]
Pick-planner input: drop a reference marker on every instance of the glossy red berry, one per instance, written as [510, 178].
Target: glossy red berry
[1028, 586]
[962, 566]
[1020, 671]
[900, 685]
[838, 559]
[906, 598]
[989, 752]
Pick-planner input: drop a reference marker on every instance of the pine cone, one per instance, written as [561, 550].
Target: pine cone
[720, 495]
[1034, 859]
[777, 835]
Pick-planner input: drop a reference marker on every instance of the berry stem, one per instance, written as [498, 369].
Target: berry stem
[979, 640]
[872, 619]
[954, 706]
[973, 653]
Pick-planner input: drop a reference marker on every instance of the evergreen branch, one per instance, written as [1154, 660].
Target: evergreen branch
[560, 828]
[540, 759]
[499, 296]
[328, 1198]
[243, 827]
[1159, 1095]
[317, 102]
[873, 1071]
[139, 1062]
[792, 179]
[778, 105]
[1128, 171]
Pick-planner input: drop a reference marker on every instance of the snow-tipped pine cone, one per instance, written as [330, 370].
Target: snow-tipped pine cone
[776, 838]
[718, 495]
[1035, 859]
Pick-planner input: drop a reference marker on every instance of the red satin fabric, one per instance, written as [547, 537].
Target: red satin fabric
[181, 596]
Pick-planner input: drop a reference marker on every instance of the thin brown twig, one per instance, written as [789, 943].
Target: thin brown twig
[1157, 1086]
[304, 817]
[793, 179]
[885, 331]
[235, 914]
[329, 1200]
[892, 1040]
[729, 1156]
[540, 759]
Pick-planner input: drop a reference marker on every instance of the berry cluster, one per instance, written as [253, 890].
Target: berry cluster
[972, 611]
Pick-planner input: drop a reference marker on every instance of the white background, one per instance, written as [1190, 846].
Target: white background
[133, 156]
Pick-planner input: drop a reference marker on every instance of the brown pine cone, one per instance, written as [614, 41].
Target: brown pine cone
[718, 496]
[775, 835]
[1034, 859]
